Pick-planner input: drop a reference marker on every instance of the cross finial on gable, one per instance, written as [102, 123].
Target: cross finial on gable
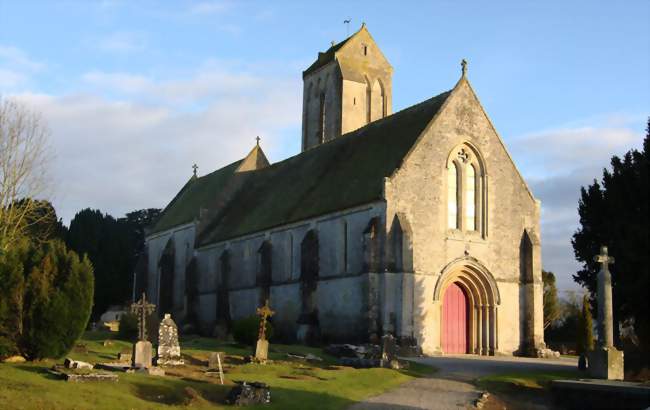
[258, 140]
[195, 168]
[463, 64]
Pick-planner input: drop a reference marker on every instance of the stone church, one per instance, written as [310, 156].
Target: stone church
[415, 223]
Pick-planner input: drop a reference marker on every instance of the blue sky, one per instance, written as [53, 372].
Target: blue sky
[135, 92]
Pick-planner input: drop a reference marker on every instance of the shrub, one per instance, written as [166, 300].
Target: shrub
[128, 327]
[49, 308]
[246, 330]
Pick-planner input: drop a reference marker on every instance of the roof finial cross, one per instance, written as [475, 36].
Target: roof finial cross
[195, 168]
[258, 140]
[463, 64]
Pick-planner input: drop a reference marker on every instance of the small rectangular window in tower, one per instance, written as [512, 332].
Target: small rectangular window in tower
[365, 50]
[354, 101]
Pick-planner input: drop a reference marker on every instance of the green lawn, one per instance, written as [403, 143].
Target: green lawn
[294, 384]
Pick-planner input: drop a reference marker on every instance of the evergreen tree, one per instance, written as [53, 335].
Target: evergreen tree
[551, 302]
[45, 299]
[585, 332]
[614, 212]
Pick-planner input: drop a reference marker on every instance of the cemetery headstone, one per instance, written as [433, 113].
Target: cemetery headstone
[389, 352]
[262, 348]
[249, 393]
[142, 350]
[605, 361]
[169, 350]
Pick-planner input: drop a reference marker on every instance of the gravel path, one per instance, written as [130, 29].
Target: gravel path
[452, 386]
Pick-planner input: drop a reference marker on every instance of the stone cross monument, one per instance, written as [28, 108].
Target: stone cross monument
[605, 309]
[142, 350]
[605, 362]
[262, 349]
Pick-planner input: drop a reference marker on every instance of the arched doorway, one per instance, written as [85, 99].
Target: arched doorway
[454, 320]
[466, 283]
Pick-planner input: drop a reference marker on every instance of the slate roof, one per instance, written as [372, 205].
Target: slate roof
[345, 172]
[197, 193]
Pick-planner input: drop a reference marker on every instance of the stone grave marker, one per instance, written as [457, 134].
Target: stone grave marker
[389, 352]
[169, 350]
[142, 350]
[605, 361]
[262, 348]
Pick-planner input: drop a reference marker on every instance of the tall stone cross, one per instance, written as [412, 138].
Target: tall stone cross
[142, 308]
[264, 313]
[605, 309]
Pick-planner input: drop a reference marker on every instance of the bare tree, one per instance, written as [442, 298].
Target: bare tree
[23, 164]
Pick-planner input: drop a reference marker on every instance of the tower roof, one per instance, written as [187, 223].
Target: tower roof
[330, 54]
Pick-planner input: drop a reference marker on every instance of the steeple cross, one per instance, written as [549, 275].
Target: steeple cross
[264, 313]
[604, 259]
[195, 168]
[258, 140]
[141, 308]
[463, 64]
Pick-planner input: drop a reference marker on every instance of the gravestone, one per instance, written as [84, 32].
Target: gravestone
[249, 393]
[143, 354]
[142, 350]
[262, 348]
[389, 352]
[169, 350]
[605, 361]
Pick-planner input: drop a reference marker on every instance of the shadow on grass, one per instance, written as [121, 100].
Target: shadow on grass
[43, 371]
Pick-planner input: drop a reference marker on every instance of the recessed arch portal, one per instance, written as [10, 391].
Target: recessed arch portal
[482, 301]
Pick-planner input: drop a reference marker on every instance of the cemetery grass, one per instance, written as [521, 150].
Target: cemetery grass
[522, 390]
[295, 384]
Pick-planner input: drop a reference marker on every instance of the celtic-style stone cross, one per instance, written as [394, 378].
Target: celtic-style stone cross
[605, 309]
[142, 308]
[264, 313]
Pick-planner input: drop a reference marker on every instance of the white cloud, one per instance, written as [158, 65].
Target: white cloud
[209, 7]
[10, 79]
[122, 42]
[129, 154]
[16, 68]
[123, 82]
[556, 163]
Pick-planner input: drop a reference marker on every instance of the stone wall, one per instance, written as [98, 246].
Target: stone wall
[341, 294]
[419, 192]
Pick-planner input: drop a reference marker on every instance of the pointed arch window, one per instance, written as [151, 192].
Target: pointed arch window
[466, 191]
[453, 173]
[470, 197]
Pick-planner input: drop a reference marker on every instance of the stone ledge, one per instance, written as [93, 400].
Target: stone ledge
[600, 394]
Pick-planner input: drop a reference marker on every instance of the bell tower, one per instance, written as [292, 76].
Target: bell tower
[348, 86]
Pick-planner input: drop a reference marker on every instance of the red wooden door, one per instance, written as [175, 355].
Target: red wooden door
[454, 320]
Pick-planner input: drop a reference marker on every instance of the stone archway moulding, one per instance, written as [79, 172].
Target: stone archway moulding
[452, 269]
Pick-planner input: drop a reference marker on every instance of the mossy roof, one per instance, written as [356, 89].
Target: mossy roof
[345, 172]
[197, 193]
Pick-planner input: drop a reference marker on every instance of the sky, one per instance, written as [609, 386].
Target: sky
[134, 93]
